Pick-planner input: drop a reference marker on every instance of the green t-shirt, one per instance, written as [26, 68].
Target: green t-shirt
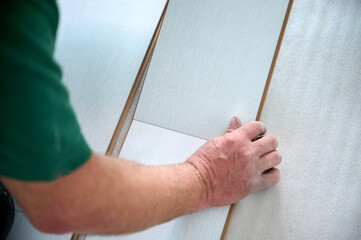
[40, 139]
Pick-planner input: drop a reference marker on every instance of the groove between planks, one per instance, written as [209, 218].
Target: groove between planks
[137, 80]
[142, 68]
[264, 96]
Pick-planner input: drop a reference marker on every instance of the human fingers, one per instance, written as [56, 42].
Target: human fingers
[270, 178]
[266, 144]
[234, 124]
[253, 129]
[270, 160]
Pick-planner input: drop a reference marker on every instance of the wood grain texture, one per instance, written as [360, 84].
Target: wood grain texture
[314, 108]
[153, 145]
[100, 46]
[211, 62]
[23, 230]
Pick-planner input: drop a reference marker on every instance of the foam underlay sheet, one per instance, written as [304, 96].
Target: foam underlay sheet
[314, 108]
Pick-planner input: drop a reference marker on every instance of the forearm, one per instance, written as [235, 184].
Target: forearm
[152, 195]
[107, 196]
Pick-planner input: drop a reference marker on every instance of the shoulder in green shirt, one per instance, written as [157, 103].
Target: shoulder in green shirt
[40, 139]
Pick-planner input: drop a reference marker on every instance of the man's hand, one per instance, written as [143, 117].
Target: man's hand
[126, 196]
[232, 166]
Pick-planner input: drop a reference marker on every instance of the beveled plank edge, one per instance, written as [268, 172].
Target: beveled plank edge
[78, 236]
[264, 96]
[128, 120]
[274, 60]
[143, 67]
[137, 80]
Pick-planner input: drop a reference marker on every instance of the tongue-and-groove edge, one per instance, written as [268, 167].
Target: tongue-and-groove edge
[264, 96]
[142, 69]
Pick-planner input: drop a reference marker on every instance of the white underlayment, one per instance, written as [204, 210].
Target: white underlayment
[314, 108]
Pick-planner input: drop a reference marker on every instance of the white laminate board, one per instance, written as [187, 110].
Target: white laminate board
[100, 47]
[23, 230]
[153, 145]
[123, 132]
[211, 62]
[314, 108]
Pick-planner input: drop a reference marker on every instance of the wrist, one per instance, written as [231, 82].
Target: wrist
[201, 185]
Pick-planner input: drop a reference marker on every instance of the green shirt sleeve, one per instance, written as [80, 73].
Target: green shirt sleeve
[40, 139]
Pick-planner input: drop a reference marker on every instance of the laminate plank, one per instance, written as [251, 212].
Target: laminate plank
[264, 96]
[314, 108]
[211, 62]
[153, 145]
[23, 230]
[100, 46]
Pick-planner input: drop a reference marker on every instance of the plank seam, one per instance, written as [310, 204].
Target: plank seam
[130, 115]
[264, 96]
[151, 46]
[137, 80]
[147, 65]
[169, 129]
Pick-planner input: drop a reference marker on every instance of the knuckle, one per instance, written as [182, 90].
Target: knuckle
[254, 126]
[226, 143]
[249, 153]
[275, 155]
[231, 139]
[236, 138]
[274, 141]
[260, 126]
[251, 127]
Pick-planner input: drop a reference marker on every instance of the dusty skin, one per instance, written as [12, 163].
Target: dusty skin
[231, 166]
[108, 195]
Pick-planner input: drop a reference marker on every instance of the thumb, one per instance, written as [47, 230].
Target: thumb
[234, 124]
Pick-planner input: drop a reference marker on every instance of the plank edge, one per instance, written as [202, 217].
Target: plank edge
[151, 46]
[264, 96]
[137, 80]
